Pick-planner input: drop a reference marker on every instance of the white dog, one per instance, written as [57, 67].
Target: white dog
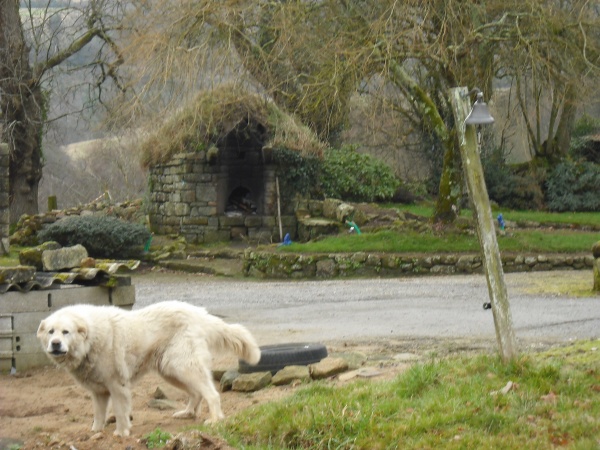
[106, 348]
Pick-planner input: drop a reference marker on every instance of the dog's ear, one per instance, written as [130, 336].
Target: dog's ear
[82, 330]
[41, 328]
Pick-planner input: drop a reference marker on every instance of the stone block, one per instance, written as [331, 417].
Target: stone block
[253, 221]
[231, 221]
[238, 233]
[330, 208]
[327, 367]
[33, 256]
[63, 258]
[250, 382]
[291, 374]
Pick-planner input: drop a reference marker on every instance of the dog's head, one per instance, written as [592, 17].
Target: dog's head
[63, 337]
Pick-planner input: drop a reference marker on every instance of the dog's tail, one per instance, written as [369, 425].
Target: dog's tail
[238, 339]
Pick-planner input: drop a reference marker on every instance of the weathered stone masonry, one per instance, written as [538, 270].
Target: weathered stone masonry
[189, 195]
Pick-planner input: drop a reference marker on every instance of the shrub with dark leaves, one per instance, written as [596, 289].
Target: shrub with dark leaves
[349, 175]
[103, 237]
[574, 186]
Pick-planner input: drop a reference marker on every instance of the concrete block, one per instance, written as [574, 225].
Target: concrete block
[17, 302]
[27, 322]
[74, 295]
[123, 296]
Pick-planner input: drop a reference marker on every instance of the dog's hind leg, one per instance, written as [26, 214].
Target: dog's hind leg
[198, 385]
[193, 375]
[100, 402]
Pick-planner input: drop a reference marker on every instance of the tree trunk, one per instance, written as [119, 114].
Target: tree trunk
[562, 138]
[21, 113]
[450, 190]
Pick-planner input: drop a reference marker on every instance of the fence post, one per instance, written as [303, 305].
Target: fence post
[482, 212]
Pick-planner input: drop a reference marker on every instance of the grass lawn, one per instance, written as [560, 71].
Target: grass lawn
[542, 241]
[452, 403]
[575, 218]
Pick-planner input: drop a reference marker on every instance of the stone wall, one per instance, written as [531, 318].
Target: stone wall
[288, 265]
[4, 202]
[186, 199]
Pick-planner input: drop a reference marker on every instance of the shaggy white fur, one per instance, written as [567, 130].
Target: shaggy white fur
[106, 348]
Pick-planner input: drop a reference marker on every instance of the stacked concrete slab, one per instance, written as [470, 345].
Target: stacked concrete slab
[22, 312]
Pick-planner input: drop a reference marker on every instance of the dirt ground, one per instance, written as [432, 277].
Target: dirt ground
[46, 408]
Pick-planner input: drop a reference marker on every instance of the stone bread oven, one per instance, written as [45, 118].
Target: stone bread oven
[223, 185]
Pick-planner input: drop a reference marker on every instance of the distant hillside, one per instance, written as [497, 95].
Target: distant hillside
[78, 173]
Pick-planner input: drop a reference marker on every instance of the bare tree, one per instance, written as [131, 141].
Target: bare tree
[311, 57]
[33, 43]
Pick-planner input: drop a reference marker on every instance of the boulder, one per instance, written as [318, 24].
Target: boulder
[227, 379]
[63, 258]
[250, 382]
[33, 256]
[327, 367]
[289, 374]
[596, 250]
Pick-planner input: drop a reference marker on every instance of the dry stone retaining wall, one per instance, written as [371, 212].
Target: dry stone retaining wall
[288, 265]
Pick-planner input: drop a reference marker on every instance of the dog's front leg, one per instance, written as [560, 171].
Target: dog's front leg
[121, 401]
[100, 402]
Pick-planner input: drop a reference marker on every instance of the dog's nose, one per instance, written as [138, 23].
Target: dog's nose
[55, 345]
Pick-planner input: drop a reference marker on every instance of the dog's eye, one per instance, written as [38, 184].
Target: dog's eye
[65, 332]
[51, 331]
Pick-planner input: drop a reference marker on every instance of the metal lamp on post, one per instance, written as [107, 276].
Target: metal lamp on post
[473, 171]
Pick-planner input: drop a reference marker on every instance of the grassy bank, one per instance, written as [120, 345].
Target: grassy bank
[550, 400]
[522, 241]
[541, 217]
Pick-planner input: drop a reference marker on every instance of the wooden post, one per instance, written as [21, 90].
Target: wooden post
[486, 231]
[52, 203]
[279, 209]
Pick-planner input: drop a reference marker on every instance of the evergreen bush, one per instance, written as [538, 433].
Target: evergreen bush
[574, 186]
[103, 237]
[349, 175]
[297, 174]
[509, 188]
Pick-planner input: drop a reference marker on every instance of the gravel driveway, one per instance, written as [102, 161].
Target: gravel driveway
[401, 309]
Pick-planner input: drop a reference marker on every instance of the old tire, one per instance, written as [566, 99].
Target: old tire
[276, 357]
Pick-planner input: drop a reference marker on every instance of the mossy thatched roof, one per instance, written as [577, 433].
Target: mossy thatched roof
[215, 113]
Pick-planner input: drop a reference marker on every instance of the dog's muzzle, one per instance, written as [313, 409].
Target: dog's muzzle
[56, 349]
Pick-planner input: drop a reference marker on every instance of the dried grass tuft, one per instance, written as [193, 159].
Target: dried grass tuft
[215, 113]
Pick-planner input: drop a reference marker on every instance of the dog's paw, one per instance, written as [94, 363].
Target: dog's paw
[97, 426]
[185, 414]
[122, 433]
[214, 419]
